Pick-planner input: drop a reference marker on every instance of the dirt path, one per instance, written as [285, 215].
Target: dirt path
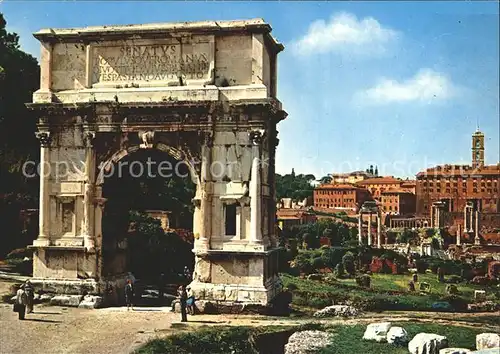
[58, 330]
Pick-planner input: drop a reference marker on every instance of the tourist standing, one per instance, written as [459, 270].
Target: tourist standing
[30, 294]
[21, 302]
[129, 295]
[183, 299]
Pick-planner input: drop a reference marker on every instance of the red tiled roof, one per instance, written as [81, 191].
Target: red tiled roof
[337, 186]
[396, 191]
[380, 180]
[460, 170]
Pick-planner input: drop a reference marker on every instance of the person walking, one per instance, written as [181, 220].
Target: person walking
[30, 294]
[129, 295]
[21, 302]
[190, 302]
[183, 299]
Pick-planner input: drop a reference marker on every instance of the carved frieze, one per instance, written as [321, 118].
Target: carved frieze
[148, 139]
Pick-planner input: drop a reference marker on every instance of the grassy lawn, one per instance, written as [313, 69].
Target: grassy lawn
[271, 339]
[493, 320]
[397, 282]
[348, 339]
[387, 292]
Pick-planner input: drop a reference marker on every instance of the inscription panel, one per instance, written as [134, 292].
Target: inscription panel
[165, 62]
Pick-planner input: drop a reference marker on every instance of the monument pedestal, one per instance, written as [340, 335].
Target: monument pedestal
[228, 278]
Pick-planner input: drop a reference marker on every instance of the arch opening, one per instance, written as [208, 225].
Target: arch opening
[147, 222]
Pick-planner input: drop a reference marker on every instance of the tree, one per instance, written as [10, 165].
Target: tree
[19, 78]
[326, 179]
[297, 187]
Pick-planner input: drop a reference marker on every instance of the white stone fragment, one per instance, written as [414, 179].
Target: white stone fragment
[487, 341]
[377, 331]
[427, 343]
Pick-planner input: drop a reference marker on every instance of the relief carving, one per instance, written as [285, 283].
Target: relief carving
[44, 138]
[147, 139]
[89, 139]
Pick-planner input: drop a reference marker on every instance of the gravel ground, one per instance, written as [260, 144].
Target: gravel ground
[58, 330]
[54, 330]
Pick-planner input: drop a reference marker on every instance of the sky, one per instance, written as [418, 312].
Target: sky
[399, 85]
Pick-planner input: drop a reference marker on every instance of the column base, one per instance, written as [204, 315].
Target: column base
[41, 242]
[88, 242]
[234, 294]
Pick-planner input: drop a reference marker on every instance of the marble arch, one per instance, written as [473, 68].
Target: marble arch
[205, 91]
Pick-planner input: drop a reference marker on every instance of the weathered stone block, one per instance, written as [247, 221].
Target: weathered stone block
[454, 351]
[427, 343]
[487, 341]
[377, 331]
[91, 302]
[66, 300]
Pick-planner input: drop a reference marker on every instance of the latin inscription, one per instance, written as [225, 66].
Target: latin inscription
[148, 63]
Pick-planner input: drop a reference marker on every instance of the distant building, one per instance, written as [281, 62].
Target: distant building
[340, 197]
[354, 177]
[457, 185]
[398, 201]
[409, 186]
[381, 184]
[289, 217]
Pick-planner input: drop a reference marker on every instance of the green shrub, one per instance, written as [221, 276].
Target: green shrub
[348, 263]
[457, 302]
[421, 266]
[339, 270]
[455, 279]
[363, 280]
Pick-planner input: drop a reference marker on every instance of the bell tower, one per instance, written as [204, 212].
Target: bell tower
[477, 149]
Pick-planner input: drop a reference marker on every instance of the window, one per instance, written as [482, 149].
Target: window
[230, 219]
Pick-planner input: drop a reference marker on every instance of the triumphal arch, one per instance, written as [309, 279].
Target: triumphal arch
[205, 93]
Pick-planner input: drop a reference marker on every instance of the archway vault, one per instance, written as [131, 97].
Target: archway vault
[213, 113]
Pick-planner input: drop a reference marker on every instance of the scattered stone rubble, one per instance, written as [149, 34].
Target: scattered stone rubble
[306, 342]
[337, 310]
[454, 351]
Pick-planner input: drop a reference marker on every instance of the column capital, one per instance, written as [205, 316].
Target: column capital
[44, 138]
[100, 202]
[256, 136]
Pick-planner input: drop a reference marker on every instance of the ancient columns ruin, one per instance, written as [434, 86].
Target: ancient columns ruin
[370, 209]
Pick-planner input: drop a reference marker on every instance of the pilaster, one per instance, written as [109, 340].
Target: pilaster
[89, 186]
[44, 169]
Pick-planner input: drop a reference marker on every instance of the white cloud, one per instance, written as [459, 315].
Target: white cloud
[345, 33]
[426, 86]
